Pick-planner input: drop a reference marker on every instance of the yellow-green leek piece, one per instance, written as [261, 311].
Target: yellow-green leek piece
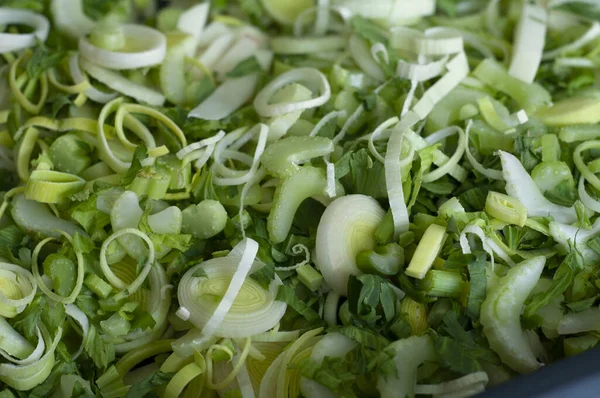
[505, 208]
[22, 97]
[428, 249]
[52, 186]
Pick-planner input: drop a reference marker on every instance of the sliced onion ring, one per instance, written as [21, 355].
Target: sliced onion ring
[10, 42]
[310, 77]
[153, 55]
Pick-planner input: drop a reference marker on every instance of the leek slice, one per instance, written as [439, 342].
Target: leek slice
[123, 85]
[17, 289]
[26, 377]
[309, 77]
[52, 186]
[576, 110]
[530, 34]
[11, 42]
[244, 308]
[149, 52]
[78, 282]
[69, 17]
[345, 229]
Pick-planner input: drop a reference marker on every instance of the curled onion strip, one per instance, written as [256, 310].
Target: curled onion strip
[310, 77]
[262, 131]
[25, 281]
[201, 144]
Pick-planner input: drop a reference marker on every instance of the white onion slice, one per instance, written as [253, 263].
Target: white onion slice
[123, 85]
[243, 48]
[92, 93]
[69, 17]
[215, 51]
[364, 59]
[193, 20]
[10, 42]
[458, 69]
[226, 99]
[421, 72]
[212, 32]
[530, 35]
[393, 181]
[310, 77]
[152, 44]
[434, 41]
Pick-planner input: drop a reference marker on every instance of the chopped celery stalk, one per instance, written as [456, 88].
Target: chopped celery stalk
[68, 154]
[501, 312]
[548, 175]
[382, 260]
[428, 249]
[310, 277]
[204, 220]
[584, 110]
[577, 345]
[448, 110]
[283, 157]
[439, 283]
[385, 231]
[529, 95]
[579, 132]
[167, 221]
[550, 148]
[293, 190]
[98, 285]
[505, 208]
[408, 354]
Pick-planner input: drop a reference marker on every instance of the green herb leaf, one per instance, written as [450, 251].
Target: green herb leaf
[477, 285]
[141, 153]
[245, 67]
[146, 386]
[287, 294]
[99, 350]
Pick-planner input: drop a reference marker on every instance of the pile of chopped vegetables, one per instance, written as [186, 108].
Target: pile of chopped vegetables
[296, 198]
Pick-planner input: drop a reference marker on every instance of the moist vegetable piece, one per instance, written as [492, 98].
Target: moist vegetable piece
[277, 198]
